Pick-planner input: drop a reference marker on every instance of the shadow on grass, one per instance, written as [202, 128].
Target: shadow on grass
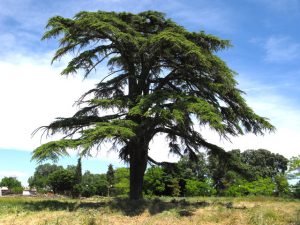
[125, 206]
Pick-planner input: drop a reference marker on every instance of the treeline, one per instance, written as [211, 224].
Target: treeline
[252, 172]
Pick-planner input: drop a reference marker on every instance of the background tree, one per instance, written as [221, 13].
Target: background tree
[12, 183]
[62, 181]
[264, 163]
[294, 168]
[78, 172]
[193, 168]
[77, 188]
[122, 182]
[110, 177]
[155, 181]
[93, 184]
[39, 179]
[162, 80]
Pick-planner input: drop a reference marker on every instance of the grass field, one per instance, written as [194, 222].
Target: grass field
[160, 211]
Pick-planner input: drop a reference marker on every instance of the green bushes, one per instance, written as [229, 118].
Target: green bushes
[12, 184]
[296, 191]
[199, 188]
[262, 186]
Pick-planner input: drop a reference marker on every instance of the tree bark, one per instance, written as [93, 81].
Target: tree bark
[138, 163]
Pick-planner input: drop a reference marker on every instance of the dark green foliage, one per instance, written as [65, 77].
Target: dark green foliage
[154, 181]
[39, 179]
[62, 181]
[162, 79]
[249, 165]
[110, 175]
[94, 184]
[282, 185]
[175, 187]
[195, 168]
[78, 171]
[296, 190]
[12, 183]
[264, 163]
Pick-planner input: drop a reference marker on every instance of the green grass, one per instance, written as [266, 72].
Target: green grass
[165, 210]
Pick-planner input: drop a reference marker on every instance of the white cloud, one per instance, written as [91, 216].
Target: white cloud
[21, 176]
[281, 49]
[283, 114]
[33, 94]
[12, 173]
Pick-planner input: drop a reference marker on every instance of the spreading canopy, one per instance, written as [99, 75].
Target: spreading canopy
[162, 80]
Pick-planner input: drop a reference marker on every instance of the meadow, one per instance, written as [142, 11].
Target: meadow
[160, 211]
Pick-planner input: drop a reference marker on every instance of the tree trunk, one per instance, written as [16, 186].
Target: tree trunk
[138, 164]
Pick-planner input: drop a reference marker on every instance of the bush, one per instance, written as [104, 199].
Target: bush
[17, 190]
[154, 183]
[296, 191]
[199, 188]
[282, 185]
[262, 186]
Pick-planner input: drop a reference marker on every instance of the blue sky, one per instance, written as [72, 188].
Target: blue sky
[265, 54]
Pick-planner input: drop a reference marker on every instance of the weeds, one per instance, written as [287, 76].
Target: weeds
[164, 211]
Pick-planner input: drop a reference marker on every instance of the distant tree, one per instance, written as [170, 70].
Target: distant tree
[296, 190]
[195, 168]
[62, 181]
[294, 168]
[261, 186]
[110, 175]
[264, 163]
[162, 80]
[282, 185]
[175, 187]
[77, 188]
[78, 172]
[225, 172]
[40, 177]
[12, 183]
[249, 165]
[121, 186]
[154, 181]
[93, 184]
[199, 188]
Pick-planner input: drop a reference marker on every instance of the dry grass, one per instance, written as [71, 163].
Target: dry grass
[163, 211]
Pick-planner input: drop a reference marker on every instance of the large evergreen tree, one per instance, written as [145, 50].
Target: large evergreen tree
[162, 80]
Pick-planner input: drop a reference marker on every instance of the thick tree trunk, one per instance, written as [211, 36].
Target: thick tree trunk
[138, 164]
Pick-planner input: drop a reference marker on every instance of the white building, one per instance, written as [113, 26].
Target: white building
[3, 190]
[29, 192]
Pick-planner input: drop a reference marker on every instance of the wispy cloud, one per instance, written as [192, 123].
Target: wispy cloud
[17, 174]
[281, 49]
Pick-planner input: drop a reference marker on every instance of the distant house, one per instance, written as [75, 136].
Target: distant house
[29, 192]
[4, 191]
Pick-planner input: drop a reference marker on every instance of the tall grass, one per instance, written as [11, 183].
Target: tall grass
[164, 211]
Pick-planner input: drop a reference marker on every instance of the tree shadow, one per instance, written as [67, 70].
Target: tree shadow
[51, 205]
[127, 207]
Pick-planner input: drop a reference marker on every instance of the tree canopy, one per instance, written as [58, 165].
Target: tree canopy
[162, 80]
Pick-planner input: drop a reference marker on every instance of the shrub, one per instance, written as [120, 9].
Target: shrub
[262, 186]
[199, 188]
